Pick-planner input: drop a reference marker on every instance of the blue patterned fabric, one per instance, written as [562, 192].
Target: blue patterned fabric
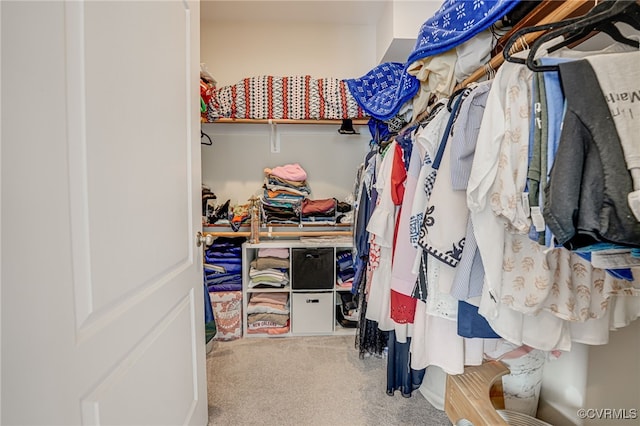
[383, 90]
[456, 22]
[379, 130]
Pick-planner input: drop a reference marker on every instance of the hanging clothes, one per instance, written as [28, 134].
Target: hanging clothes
[592, 178]
[381, 228]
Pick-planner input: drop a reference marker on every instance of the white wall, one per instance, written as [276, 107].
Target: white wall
[235, 50]
[233, 165]
[408, 16]
[398, 27]
[614, 375]
[564, 385]
[384, 35]
[594, 377]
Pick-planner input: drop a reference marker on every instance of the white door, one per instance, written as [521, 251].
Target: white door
[102, 297]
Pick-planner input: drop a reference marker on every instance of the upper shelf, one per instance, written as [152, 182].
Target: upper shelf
[356, 121]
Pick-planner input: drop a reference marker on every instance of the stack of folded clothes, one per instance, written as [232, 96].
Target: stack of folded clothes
[318, 211]
[345, 212]
[270, 269]
[284, 189]
[223, 265]
[268, 313]
[344, 269]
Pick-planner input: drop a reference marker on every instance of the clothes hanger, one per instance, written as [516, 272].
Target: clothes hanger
[518, 36]
[601, 10]
[615, 11]
[424, 121]
[204, 135]
[629, 15]
[606, 27]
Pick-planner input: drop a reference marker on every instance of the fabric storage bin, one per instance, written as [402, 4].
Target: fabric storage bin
[227, 312]
[312, 268]
[312, 313]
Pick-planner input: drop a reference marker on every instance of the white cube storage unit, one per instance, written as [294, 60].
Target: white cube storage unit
[313, 294]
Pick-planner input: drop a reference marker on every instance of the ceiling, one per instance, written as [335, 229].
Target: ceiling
[352, 12]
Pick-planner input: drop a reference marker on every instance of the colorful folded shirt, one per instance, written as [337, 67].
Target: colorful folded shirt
[310, 207]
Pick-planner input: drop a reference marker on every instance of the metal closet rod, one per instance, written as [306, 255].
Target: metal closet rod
[282, 234]
[358, 121]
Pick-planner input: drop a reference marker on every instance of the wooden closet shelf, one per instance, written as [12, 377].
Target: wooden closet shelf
[356, 121]
[285, 225]
[267, 234]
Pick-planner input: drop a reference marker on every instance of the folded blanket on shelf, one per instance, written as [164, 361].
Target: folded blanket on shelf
[290, 97]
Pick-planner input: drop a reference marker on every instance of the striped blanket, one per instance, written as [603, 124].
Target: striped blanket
[296, 97]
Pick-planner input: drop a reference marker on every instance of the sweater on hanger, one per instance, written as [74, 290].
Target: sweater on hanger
[586, 198]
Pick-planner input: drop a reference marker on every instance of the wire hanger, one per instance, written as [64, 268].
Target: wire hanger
[204, 135]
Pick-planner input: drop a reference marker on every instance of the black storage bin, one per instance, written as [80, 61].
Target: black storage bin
[312, 268]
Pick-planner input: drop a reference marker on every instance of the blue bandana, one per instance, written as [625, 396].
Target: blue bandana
[383, 90]
[456, 22]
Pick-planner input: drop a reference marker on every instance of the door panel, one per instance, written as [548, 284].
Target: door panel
[149, 71]
[102, 315]
[131, 177]
[152, 361]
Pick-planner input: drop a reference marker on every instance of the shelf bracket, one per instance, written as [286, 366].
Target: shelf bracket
[274, 137]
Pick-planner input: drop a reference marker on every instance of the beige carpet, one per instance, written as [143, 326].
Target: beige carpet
[306, 381]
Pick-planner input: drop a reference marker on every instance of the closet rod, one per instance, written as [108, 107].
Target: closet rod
[566, 10]
[358, 121]
[282, 234]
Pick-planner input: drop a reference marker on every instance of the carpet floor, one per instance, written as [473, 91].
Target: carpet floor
[306, 381]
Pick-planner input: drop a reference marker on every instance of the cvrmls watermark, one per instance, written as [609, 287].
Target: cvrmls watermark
[608, 413]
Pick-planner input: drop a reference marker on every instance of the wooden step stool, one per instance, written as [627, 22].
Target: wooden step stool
[468, 395]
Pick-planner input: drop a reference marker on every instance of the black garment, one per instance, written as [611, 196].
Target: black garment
[207, 195]
[343, 207]
[283, 214]
[586, 198]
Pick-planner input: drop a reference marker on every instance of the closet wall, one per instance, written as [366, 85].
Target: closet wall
[398, 26]
[234, 50]
[233, 166]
